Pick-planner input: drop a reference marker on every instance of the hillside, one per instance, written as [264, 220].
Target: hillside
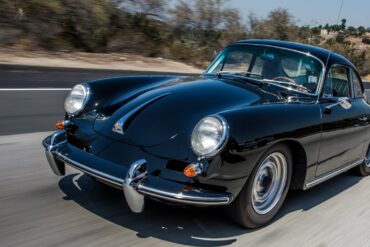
[188, 32]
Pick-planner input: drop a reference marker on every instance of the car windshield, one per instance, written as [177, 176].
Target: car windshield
[276, 65]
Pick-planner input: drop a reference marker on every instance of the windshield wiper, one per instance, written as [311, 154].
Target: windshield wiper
[239, 73]
[290, 84]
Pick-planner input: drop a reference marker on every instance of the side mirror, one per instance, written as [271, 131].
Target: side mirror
[343, 102]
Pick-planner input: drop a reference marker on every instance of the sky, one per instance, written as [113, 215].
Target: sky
[310, 12]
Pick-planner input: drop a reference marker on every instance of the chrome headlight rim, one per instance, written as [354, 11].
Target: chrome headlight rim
[222, 143]
[86, 99]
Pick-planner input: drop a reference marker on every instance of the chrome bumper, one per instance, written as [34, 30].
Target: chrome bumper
[137, 183]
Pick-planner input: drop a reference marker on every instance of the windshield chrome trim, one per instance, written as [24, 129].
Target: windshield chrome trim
[323, 71]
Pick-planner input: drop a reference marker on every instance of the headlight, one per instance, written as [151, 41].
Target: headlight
[76, 99]
[209, 136]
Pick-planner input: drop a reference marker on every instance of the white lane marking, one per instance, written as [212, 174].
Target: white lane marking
[35, 89]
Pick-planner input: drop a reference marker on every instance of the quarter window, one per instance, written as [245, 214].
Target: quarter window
[337, 83]
[358, 92]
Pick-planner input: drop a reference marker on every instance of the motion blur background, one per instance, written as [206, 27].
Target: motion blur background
[186, 31]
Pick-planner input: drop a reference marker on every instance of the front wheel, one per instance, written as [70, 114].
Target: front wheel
[265, 191]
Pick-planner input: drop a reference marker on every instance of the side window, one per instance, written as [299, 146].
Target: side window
[337, 83]
[357, 87]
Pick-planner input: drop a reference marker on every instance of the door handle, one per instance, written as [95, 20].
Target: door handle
[343, 102]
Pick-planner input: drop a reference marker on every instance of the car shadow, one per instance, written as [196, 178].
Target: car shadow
[190, 225]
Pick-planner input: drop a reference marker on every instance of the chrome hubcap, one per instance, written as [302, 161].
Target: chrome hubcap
[367, 160]
[269, 183]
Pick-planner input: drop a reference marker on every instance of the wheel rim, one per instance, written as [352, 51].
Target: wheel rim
[367, 159]
[269, 183]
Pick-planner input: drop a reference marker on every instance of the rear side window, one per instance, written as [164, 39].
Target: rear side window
[337, 83]
[357, 88]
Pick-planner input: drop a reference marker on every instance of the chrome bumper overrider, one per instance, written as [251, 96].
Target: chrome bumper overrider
[136, 184]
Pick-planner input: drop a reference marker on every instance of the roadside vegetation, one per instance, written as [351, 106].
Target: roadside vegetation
[188, 31]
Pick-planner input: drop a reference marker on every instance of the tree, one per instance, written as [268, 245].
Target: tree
[351, 30]
[202, 26]
[335, 28]
[361, 30]
[343, 24]
[316, 30]
[155, 8]
[280, 25]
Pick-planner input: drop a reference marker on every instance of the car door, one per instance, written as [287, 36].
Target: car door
[343, 124]
[359, 93]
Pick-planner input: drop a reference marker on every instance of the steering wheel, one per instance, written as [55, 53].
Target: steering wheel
[279, 78]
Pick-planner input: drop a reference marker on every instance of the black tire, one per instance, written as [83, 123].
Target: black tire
[242, 209]
[363, 170]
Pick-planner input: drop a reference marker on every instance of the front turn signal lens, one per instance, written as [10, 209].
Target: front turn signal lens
[193, 170]
[59, 125]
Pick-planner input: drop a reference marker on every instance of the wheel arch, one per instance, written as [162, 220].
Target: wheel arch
[299, 159]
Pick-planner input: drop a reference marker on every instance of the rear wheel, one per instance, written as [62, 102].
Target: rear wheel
[364, 168]
[265, 191]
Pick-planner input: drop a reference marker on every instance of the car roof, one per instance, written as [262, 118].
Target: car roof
[318, 52]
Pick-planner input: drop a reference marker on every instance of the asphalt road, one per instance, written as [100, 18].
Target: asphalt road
[40, 209]
[15, 76]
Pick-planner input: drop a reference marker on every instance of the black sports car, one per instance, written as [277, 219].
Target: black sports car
[264, 118]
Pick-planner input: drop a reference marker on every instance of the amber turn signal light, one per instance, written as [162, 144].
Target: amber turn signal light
[193, 170]
[59, 125]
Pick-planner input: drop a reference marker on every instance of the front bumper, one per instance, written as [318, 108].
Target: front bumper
[135, 182]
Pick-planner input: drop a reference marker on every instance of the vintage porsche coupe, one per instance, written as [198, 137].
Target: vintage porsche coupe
[264, 118]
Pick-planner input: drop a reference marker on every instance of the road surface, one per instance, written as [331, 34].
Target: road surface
[40, 209]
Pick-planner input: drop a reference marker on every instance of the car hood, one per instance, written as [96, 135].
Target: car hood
[161, 113]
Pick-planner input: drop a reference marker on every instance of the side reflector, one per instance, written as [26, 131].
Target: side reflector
[193, 170]
[59, 125]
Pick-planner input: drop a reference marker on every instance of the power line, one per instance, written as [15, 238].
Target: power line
[340, 11]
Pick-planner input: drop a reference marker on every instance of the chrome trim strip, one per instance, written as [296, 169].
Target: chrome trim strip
[181, 198]
[90, 171]
[332, 174]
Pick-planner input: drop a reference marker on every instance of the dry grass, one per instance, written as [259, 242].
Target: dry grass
[114, 61]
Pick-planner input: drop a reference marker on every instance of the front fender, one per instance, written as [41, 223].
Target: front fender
[254, 129]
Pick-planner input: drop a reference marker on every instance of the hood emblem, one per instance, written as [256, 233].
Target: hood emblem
[117, 127]
[122, 124]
